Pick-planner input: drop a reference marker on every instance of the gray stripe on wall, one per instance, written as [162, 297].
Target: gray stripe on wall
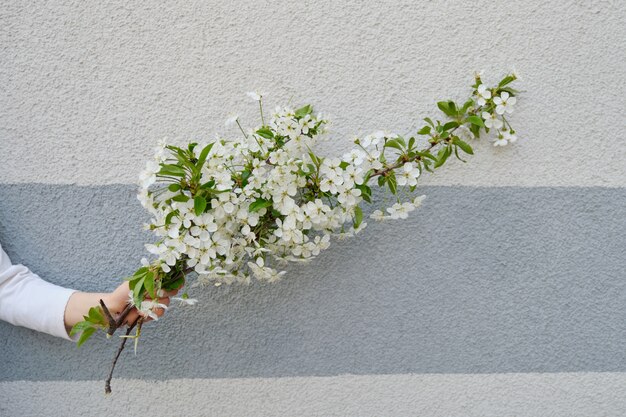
[477, 395]
[480, 280]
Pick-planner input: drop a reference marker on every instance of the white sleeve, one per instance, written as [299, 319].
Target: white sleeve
[29, 301]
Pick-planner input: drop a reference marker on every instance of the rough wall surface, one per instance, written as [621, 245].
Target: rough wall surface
[504, 295]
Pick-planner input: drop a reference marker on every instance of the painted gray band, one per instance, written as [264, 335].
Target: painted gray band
[479, 280]
[474, 395]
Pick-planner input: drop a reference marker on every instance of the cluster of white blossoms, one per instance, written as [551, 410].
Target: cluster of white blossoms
[502, 104]
[234, 209]
[287, 208]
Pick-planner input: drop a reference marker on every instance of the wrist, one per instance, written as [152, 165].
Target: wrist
[78, 305]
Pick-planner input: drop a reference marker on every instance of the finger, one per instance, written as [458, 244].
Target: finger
[131, 317]
[163, 294]
[122, 290]
[160, 311]
[170, 293]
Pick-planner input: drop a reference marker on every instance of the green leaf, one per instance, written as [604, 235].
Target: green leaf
[391, 181]
[358, 216]
[259, 204]
[204, 154]
[168, 218]
[244, 177]
[464, 146]
[443, 106]
[466, 106]
[442, 155]
[506, 80]
[180, 198]
[173, 285]
[411, 142]
[174, 187]
[208, 184]
[172, 170]
[87, 333]
[475, 130]
[381, 181]
[138, 291]
[475, 120]
[452, 107]
[96, 315]
[510, 90]
[456, 153]
[427, 154]
[141, 271]
[424, 131]
[265, 132]
[366, 192]
[303, 111]
[429, 121]
[450, 125]
[316, 160]
[149, 284]
[80, 326]
[199, 204]
[394, 143]
[448, 107]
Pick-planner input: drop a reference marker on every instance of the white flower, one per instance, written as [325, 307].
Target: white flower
[398, 211]
[203, 226]
[306, 123]
[483, 95]
[417, 201]
[408, 175]
[505, 137]
[515, 73]
[147, 177]
[500, 142]
[232, 119]
[491, 120]
[185, 301]
[378, 216]
[254, 95]
[510, 137]
[504, 103]
[147, 307]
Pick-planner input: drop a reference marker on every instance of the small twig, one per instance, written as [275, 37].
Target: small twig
[384, 171]
[123, 314]
[107, 313]
[107, 383]
[113, 323]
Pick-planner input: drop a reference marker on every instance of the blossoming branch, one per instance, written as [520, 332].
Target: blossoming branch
[234, 210]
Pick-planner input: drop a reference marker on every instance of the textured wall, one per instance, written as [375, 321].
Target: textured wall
[517, 306]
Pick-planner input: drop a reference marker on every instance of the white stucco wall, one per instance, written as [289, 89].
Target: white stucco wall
[89, 87]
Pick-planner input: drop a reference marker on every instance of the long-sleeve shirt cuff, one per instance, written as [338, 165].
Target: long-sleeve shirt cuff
[29, 301]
